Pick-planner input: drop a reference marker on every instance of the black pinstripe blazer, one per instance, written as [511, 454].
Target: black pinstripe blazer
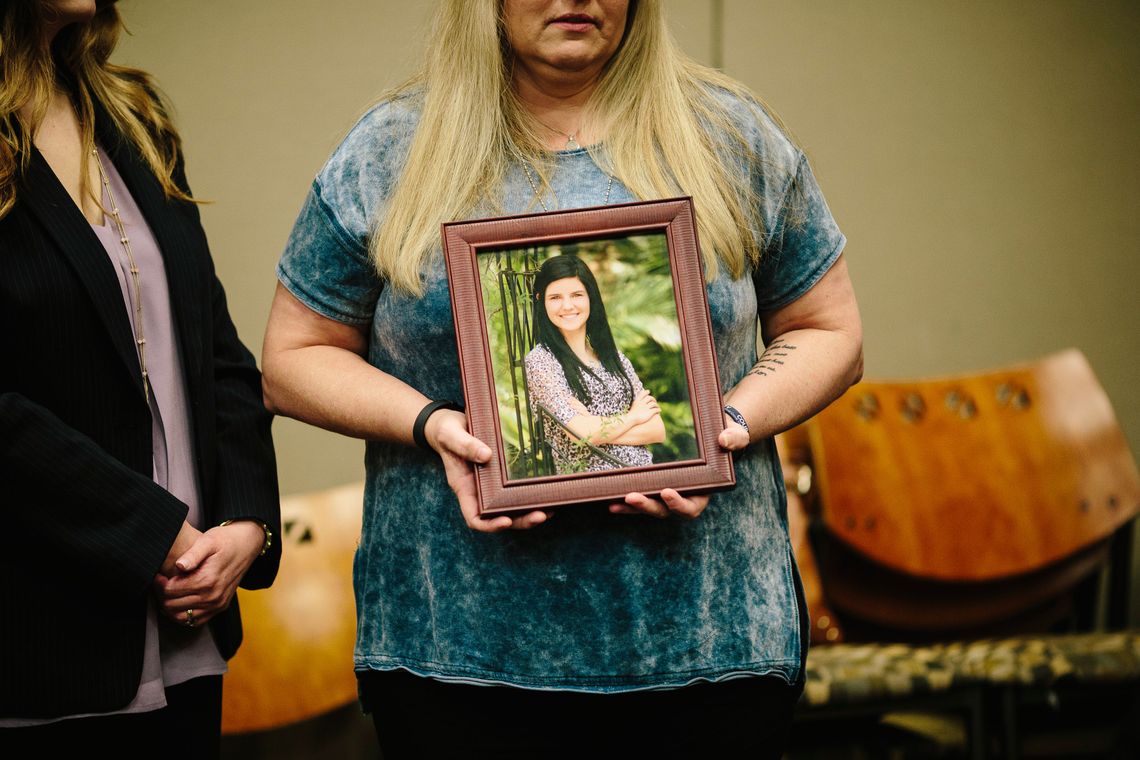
[85, 528]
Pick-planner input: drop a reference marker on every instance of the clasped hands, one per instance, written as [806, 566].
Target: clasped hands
[446, 432]
[202, 570]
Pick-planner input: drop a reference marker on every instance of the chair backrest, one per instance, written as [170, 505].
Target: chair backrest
[1020, 475]
[295, 661]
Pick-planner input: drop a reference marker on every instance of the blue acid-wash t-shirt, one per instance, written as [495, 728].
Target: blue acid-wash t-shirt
[590, 601]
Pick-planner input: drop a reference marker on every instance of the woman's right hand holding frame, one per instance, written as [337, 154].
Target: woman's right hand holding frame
[314, 370]
[446, 433]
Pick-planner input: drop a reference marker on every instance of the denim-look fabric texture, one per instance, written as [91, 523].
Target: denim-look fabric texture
[590, 601]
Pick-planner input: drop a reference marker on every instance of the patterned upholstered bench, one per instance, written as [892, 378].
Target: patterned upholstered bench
[967, 677]
[845, 674]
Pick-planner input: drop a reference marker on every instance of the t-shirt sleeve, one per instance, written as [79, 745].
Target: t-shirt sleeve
[546, 384]
[325, 268]
[326, 263]
[802, 243]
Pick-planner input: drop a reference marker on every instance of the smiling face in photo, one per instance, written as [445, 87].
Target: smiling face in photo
[567, 304]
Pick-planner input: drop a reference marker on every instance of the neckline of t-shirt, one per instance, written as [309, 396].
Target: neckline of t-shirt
[580, 150]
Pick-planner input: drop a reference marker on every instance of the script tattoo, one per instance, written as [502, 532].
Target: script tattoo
[772, 358]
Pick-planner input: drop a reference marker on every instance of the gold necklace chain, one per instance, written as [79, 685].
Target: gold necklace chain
[538, 195]
[125, 241]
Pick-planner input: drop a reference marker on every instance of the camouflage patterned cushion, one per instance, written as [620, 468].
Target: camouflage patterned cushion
[854, 673]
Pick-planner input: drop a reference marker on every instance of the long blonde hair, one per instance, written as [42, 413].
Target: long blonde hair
[666, 133]
[77, 60]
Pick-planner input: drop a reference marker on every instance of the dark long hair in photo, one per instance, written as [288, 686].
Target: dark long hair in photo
[598, 333]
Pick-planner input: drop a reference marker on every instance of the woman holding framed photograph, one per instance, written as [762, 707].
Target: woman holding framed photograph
[531, 635]
[586, 388]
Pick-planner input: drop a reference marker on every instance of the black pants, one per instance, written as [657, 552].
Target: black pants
[190, 727]
[419, 717]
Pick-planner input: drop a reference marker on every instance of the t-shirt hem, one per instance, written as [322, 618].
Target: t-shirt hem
[301, 295]
[600, 684]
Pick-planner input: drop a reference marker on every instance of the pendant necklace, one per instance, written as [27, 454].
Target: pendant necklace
[571, 141]
[135, 284]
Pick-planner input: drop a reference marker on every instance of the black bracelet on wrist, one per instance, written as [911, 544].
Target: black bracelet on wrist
[421, 420]
[735, 415]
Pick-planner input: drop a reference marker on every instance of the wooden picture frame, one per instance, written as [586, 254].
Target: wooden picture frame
[638, 255]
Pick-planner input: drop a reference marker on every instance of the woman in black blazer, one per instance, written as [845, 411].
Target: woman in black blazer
[137, 478]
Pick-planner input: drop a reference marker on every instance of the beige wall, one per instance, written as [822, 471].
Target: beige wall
[983, 158]
[263, 92]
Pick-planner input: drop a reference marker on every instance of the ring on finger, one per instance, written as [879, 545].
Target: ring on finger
[190, 623]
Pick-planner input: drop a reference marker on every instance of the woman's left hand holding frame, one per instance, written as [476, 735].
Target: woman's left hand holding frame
[670, 504]
[825, 327]
[314, 370]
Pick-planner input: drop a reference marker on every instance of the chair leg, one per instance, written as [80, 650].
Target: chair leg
[1012, 748]
[976, 707]
[1120, 572]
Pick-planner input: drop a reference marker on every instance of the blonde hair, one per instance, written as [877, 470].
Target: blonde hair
[667, 132]
[78, 60]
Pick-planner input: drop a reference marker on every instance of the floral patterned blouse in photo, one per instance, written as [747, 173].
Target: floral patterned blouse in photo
[609, 395]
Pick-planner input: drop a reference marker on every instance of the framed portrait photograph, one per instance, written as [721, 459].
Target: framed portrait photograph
[586, 352]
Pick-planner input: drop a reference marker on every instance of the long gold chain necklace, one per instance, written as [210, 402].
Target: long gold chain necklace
[538, 195]
[136, 289]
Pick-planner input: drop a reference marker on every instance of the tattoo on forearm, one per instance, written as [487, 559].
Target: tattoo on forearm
[772, 358]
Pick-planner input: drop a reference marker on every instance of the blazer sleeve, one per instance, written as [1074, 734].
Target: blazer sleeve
[246, 465]
[93, 511]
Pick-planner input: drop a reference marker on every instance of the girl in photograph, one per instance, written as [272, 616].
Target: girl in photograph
[576, 375]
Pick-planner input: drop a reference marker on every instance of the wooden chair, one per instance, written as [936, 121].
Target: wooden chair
[295, 662]
[982, 512]
[974, 505]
